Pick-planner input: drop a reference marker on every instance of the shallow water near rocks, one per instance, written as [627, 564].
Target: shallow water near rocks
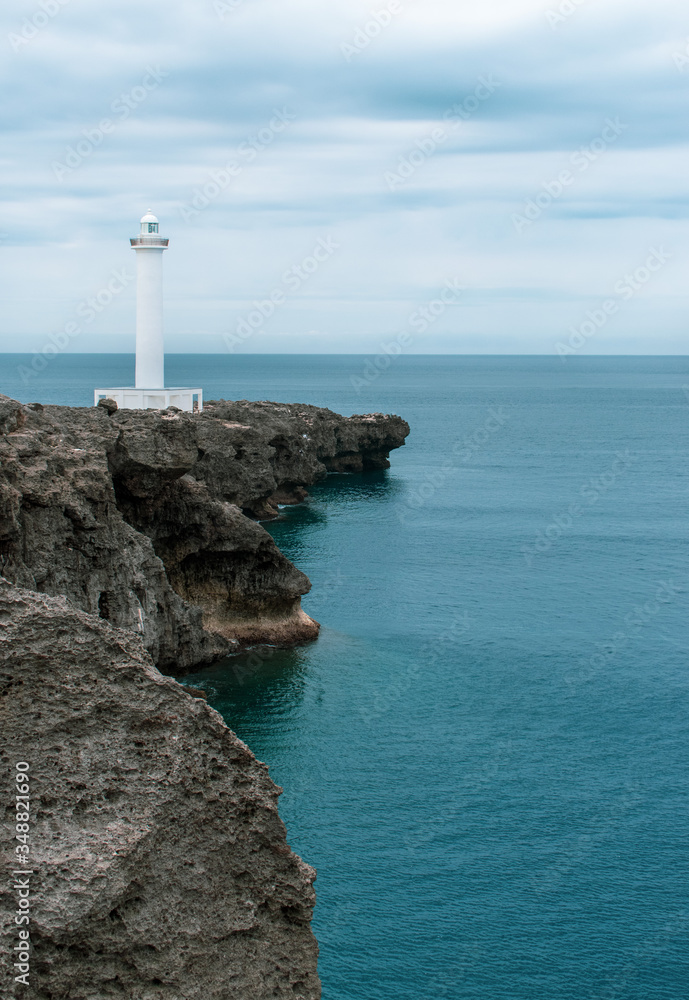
[485, 753]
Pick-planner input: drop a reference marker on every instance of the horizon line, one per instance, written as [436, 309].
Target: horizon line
[348, 354]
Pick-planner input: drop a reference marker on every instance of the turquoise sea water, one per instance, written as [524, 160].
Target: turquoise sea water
[485, 754]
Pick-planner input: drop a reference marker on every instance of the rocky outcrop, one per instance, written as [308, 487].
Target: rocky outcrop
[257, 455]
[160, 866]
[128, 539]
[145, 518]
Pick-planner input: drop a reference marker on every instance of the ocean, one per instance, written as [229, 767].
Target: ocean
[485, 754]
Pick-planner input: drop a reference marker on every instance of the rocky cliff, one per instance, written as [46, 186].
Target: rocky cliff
[160, 869]
[160, 866]
[148, 518]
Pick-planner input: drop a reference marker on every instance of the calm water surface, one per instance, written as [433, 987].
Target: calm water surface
[485, 755]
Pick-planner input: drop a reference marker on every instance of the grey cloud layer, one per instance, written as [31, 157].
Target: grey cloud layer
[187, 89]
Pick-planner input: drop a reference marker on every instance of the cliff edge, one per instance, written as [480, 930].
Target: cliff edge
[160, 865]
[129, 542]
[148, 519]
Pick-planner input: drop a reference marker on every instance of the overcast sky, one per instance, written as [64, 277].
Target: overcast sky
[479, 177]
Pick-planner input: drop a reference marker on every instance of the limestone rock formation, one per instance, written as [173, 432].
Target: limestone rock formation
[257, 455]
[128, 539]
[161, 870]
[140, 517]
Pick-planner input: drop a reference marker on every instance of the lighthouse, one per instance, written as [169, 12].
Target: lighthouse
[150, 346]
[149, 390]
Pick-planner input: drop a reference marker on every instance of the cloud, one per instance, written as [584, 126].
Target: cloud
[190, 87]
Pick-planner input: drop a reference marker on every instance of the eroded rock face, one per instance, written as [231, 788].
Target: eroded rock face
[61, 532]
[140, 516]
[161, 866]
[224, 563]
[257, 455]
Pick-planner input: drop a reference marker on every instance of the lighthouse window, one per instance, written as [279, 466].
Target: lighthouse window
[153, 227]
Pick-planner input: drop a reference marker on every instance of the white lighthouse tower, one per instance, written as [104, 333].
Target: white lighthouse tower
[149, 390]
[150, 347]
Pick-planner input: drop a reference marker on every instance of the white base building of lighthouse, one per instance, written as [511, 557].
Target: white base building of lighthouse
[148, 391]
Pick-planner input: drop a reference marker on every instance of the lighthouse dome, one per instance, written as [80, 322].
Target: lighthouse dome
[149, 223]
